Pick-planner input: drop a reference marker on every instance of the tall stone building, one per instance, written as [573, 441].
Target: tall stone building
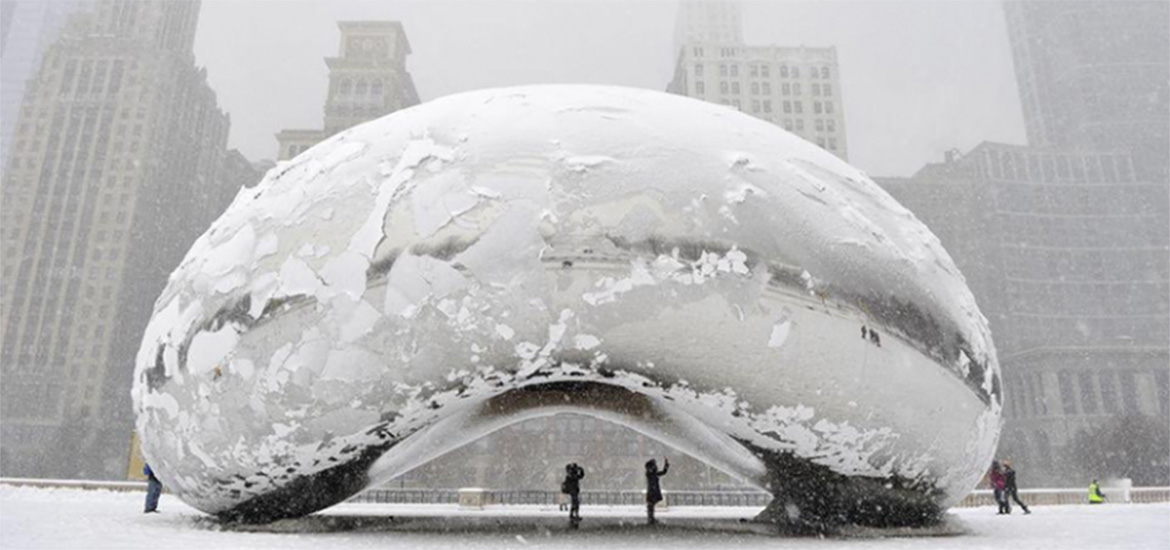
[707, 21]
[27, 27]
[1095, 75]
[798, 88]
[117, 165]
[1068, 256]
[367, 80]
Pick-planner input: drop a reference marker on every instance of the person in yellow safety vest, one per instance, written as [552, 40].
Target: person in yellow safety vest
[1095, 494]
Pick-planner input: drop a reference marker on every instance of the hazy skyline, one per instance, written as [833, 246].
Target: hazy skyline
[918, 77]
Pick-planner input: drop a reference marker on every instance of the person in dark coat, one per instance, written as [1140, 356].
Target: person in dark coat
[653, 489]
[1010, 489]
[572, 487]
[153, 489]
[999, 486]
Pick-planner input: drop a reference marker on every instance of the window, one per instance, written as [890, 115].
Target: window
[816, 89]
[825, 73]
[796, 88]
[362, 87]
[755, 88]
[796, 72]
[735, 70]
[1108, 392]
[833, 143]
[698, 70]
[767, 105]
[735, 87]
[755, 105]
[787, 106]
[786, 88]
[765, 71]
[784, 71]
[1088, 393]
[821, 142]
[788, 124]
[735, 102]
[798, 106]
[722, 70]
[345, 87]
[699, 88]
[831, 125]
[812, 72]
[817, 108]
[1067, 396]
[766, 88]
[1129, 392]
[800, 124]
[698, 52]
[723, 87]
[1162, 382]
[829, 107]
[820, 125]
[827, 90]
[753, 70]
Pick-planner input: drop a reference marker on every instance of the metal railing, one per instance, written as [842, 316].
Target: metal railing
[979, 497]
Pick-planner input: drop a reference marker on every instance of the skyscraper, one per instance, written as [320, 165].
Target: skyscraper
[27, 27]
[798, 88]
[1095, 75]
[1067, 255]
[367, 80]
[707, 21]
[117, 165]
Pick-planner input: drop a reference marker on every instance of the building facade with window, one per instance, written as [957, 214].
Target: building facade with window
[117, 166]
[797, 88]
[27, 28]
[1095, 75]
[367, 80]
[1068, 256]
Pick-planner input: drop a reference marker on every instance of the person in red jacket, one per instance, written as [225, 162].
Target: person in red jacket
[999, 487]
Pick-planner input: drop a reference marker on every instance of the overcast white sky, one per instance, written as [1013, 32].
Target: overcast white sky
[918, 77]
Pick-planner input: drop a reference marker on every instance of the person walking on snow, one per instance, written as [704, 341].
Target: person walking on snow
[572, 487]
[999, 486]
[1095, 494]
[653, 489]
[1011, 491]
[153, 489]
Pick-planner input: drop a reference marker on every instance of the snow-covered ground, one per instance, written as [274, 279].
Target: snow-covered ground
[33, 518]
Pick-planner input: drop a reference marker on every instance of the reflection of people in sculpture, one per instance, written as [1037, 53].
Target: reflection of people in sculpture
[572, 487]
[653, 490]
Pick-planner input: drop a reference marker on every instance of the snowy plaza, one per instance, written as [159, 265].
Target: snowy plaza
[35, 518]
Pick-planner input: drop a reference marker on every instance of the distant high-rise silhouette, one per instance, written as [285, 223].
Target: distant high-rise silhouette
[118, 162]
[367, 80]
[1095, 75]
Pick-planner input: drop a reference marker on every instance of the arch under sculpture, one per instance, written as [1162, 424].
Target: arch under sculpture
[674, 266]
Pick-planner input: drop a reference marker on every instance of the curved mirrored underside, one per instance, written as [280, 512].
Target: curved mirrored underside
[674, 266]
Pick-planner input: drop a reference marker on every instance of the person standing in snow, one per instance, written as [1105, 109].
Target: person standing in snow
[572, 487]
[1011, 491]
[999, 486]
[153, 489]
[653, 489]
[1095, 494]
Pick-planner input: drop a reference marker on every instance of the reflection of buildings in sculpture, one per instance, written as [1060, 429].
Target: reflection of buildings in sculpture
[27, 28]
[118, 164]
[1067, 256]
[1095, 76]
[366, 81]
[532, 455]
[798, 88]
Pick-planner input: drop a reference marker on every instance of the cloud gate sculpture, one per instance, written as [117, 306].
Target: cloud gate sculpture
[677, 267]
